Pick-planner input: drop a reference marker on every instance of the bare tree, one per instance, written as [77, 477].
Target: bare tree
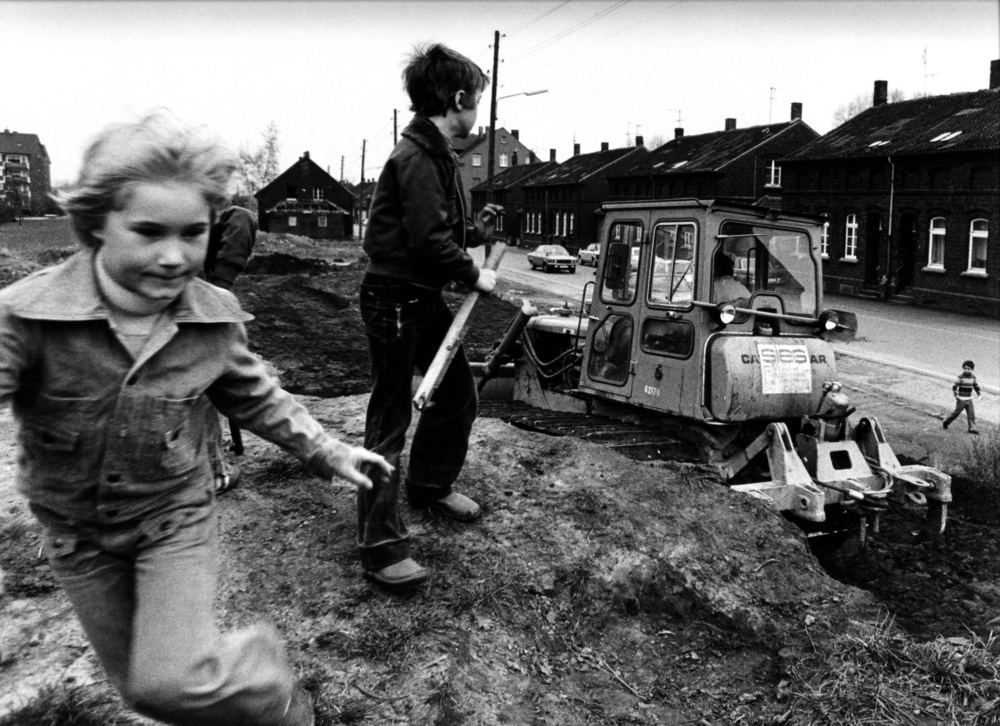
[862, 102]
[656, 141]
[260, 164]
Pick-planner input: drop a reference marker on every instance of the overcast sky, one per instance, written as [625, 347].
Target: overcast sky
[328, 72]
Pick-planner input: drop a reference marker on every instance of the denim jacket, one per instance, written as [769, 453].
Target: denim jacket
[105, 438]
[418, 228]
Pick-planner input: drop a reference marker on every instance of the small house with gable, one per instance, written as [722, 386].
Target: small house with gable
[910, 193]
[306, 200]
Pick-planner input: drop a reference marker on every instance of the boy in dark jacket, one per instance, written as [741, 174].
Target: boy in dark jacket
[963, 388]
[416, 242]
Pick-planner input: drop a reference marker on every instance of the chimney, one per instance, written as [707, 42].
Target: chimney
[796, 111]
[480, 130]
[516, 134]
[730, 124]
[305, 154]
[881, 94]
[576, 149]
[604, 146]
[639, 141]
[995, 73]
[678, 132]
[552, 154]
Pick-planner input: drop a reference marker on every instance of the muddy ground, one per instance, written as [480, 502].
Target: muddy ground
[596, 590]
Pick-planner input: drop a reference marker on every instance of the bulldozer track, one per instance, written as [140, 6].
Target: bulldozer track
[636, 441]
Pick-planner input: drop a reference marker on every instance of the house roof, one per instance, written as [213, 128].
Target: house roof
[304, 165]
[516, 175]
[581, 167]
[953, 122]
[709, 152]
[286, 206]
[11, 142]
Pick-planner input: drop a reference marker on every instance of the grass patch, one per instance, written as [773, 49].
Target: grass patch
[64, 705]
[884, 677]
[984, 457]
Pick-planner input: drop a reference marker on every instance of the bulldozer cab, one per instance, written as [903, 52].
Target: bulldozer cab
[707, 310]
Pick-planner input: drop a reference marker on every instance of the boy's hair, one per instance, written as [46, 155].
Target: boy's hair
[968, 364]
[156, 148]
[435, 73]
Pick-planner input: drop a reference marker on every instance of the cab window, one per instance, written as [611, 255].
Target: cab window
[618, 285]
[673, 264]
[754, 259]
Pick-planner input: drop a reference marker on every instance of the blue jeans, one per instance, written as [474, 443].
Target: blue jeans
[144, 593]
[405, 325]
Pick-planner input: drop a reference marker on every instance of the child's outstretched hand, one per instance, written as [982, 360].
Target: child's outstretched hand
[350, 467]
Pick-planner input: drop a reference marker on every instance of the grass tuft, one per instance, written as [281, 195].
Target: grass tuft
[883, 677]
[65, 705]
[984, 457]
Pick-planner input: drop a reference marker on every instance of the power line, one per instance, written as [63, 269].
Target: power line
[548, 12]
[569, 31]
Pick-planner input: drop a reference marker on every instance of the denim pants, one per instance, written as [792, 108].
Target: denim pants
[405, 325]
[144, 595]
[966, 405]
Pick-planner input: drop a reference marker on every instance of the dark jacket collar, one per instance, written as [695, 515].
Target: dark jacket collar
[421, 130]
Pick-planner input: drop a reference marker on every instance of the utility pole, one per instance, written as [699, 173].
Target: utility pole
[493, 118]
[363, 142]
[341, 167]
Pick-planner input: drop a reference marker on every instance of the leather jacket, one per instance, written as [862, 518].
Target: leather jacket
[418, 229]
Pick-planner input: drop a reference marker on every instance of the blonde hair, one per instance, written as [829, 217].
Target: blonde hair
[156, 148]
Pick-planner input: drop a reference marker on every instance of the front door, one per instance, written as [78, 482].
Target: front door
[907, 250]
[873, 249]
[608, 364]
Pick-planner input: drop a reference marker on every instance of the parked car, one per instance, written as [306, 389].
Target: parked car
[589, 255]
[551, 257]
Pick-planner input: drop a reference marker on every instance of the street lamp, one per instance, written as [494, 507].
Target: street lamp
[493, 126]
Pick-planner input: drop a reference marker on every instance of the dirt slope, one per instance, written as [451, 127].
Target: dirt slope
[596, 590]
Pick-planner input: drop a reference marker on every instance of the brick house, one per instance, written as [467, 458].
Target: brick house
[911, 193]
[305, 200]
[508, 192]
[24, 173]
[474, 153]
[741, 164]
[560, 206]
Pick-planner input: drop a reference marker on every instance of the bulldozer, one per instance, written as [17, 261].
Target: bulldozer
[703, 335]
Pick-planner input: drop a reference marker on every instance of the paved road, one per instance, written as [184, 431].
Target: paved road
[922, 349]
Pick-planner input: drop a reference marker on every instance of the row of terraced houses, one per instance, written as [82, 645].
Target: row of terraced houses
[908, 192]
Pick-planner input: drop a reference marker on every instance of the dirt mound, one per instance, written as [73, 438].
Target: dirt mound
[281, 263]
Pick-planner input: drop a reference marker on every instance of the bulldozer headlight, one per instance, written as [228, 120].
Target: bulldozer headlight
[829, 320]
[725, 313]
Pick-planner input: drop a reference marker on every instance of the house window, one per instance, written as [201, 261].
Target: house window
[774, 174]
[572, 223]
[851, 237]
[504, 160]
[293, 221]
[824, 240]
[317, 195]
[935, 248]
[477, 160]
[500, 222]
[979, 231]
[321, 220]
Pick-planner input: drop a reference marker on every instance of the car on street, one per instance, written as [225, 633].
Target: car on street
[589, 255]
[548, 258]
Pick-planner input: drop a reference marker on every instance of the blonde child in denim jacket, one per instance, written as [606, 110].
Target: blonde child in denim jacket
[111, 362]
